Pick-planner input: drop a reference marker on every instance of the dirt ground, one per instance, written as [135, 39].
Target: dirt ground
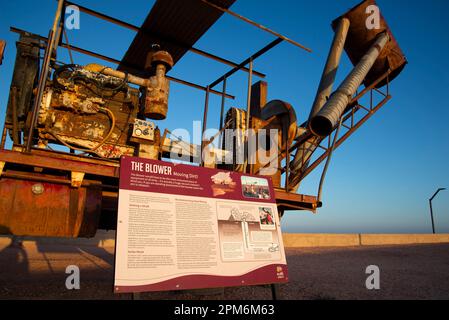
[37, 271]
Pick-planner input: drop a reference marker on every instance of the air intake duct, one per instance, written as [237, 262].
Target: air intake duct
[324, 122]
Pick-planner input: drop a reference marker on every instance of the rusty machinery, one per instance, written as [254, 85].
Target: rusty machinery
[2, 50]
[100, 114]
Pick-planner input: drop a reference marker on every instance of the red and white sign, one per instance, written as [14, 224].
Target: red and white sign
[184, 227]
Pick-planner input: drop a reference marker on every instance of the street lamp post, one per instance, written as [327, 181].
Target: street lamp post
[431, 209]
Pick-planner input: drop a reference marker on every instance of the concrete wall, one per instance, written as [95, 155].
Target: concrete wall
[351, 240]
[107, 239]
[293, 240]
[388, 239]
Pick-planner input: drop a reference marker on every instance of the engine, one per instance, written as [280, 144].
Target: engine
[96, 110]
[89, 112]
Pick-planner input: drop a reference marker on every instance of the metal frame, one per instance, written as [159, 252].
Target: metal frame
[54, 40]
[255, 24]
[135, 28]
[223, 79]
[115, 61]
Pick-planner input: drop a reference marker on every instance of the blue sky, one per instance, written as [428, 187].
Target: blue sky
[379, 180]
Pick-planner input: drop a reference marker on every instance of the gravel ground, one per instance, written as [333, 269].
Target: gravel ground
[407, 272]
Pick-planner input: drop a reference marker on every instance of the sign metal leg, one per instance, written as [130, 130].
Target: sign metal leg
[275, 292]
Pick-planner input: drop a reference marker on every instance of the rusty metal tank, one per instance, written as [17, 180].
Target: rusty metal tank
[360, 38]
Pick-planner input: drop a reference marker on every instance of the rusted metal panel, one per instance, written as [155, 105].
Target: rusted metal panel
[176, 26]
[52, 160]
[259, 93]
[287, 201]
[32, 208]
[360, 39]
[2, 50]
[87, 223]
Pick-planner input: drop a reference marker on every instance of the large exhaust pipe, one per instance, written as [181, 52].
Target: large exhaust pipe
[331, 67]
[324, 122]
[322, 95]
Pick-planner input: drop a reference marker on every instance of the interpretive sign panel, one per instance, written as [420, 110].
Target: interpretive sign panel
[185, 227]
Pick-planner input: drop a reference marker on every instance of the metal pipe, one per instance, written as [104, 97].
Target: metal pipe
[287, 169]
[238, 16]
[331, 67]
[248, 99]
[223, 102]
[324, 91]
[431, 217]
[44, 74]
[118, 74]
[206, 109]
[197, 86]
[61, 24]
[69, 50]
[137, 29]
[41, 86]
[248, 113]
[329, 158]
[325, 121]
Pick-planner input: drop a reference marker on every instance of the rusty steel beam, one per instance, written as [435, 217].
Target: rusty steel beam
[262, 51]
[2, 50]
[53, 161]
[136, 29]
[52, 44]
[206, 110]
[115, 61]
[258, 25]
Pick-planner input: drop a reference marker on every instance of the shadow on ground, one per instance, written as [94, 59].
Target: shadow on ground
[37, 271]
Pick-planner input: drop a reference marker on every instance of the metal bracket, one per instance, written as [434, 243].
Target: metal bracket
[77, 179]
